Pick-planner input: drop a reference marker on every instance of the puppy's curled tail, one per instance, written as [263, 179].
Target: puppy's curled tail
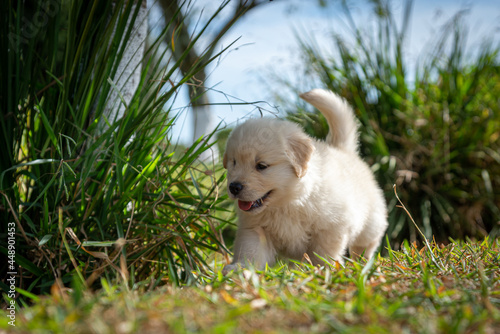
[343, 125]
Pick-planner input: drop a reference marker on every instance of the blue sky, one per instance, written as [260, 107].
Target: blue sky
[267, 44]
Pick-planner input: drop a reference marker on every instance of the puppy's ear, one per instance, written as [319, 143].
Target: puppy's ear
[300, 150]
[224, 160]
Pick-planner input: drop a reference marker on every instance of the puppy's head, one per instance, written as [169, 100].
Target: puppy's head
[265, 159]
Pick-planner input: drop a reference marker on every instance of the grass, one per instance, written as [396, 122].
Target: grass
[431, 126]
[88, 199]
[403, 292]
[118, 230]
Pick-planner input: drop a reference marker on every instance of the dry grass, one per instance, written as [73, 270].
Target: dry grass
[404, 292]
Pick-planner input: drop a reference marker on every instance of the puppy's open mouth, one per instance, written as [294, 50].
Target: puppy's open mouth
[248, 206]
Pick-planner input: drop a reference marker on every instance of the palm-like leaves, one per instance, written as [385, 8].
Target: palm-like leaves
[126, 201]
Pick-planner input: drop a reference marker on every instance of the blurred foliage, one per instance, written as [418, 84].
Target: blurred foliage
[122, 202]
[436, 135]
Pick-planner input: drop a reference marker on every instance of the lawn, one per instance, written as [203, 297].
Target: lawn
[452, 288]
[125, 210]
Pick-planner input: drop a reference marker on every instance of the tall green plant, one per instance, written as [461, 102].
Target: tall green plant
[436, 135]
[87, 202]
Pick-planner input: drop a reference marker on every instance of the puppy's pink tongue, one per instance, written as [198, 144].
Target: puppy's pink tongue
[245, 206]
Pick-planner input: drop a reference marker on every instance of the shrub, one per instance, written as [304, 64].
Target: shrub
[434, 135]
[91, 200]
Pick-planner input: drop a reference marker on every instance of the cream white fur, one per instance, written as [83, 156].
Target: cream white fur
[323, 198]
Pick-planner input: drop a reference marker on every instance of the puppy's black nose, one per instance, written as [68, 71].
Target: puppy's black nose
[235, 188]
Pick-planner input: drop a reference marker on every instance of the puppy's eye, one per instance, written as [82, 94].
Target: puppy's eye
[261, 166]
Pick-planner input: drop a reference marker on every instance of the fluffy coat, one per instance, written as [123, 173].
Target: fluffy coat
[297, 195]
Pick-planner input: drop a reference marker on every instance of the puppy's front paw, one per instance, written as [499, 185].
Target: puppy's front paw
[228, 268]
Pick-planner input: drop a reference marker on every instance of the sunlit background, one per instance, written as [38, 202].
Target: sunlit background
[266, 46]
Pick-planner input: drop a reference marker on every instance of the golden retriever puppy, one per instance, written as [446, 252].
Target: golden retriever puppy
[297, 195]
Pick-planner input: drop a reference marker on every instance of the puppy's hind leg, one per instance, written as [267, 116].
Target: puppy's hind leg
[328, 246]
[356, 252]
[367, 242]
[251, 247]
